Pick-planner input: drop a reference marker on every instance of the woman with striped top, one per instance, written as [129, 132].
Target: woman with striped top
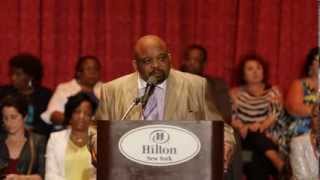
[256, 108]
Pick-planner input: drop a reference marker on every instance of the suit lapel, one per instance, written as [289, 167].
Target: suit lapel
[131, 92]
[172, 96]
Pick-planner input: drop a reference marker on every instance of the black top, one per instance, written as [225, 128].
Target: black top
[219, 93]
[35, 143]
[39, 100]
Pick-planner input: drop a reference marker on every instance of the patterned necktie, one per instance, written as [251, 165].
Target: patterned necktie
[150, 112]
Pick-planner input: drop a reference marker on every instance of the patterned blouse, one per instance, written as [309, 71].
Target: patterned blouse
[301, 125]
[249, 108]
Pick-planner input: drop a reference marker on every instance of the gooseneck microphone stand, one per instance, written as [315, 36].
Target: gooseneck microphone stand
[135, 102]
[151, 84]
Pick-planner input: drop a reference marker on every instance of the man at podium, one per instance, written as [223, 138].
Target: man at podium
[176, 95]
[156, 91]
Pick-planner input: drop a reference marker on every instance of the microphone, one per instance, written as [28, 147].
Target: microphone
[151, 84]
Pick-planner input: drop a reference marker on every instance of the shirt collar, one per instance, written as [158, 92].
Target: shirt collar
[142, 84]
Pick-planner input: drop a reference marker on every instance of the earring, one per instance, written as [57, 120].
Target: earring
[30, 83]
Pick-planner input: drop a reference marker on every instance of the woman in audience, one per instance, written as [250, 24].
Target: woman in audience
[256, 109]
[68, 155]
[26, 73]
[304, 154]
[87, 75]
[302, 95]
[21, 151]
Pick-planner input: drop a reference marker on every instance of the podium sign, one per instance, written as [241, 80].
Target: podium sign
[160, 150]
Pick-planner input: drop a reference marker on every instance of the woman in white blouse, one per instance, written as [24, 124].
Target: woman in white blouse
[68, 154]
[87, 75]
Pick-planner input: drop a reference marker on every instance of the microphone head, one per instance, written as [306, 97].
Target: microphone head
[152, 80]
[151, 84]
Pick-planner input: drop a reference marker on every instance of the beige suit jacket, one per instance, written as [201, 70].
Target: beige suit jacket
[184, 99]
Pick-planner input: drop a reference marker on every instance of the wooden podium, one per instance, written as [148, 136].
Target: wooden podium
[114, 164]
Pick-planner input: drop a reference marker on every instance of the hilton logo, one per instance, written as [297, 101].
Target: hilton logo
[159, 136]
[159, 145]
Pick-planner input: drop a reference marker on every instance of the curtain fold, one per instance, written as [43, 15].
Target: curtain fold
[281, 31]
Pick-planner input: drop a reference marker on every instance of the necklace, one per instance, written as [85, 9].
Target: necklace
[79, 140]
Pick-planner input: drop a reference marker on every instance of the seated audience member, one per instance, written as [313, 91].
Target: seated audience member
[304, 154]
[26, 72]
[87, 75]
[68, 155]
[302, 95]
[21, 151]
[256, 108]
[194, 62]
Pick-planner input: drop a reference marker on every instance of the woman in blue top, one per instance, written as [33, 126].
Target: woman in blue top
[302, 96]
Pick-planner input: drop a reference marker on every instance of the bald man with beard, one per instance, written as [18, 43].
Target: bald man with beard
[178, 95]
[181, 96]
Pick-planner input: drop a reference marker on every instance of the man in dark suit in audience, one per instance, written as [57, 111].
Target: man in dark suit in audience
[194, 62]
